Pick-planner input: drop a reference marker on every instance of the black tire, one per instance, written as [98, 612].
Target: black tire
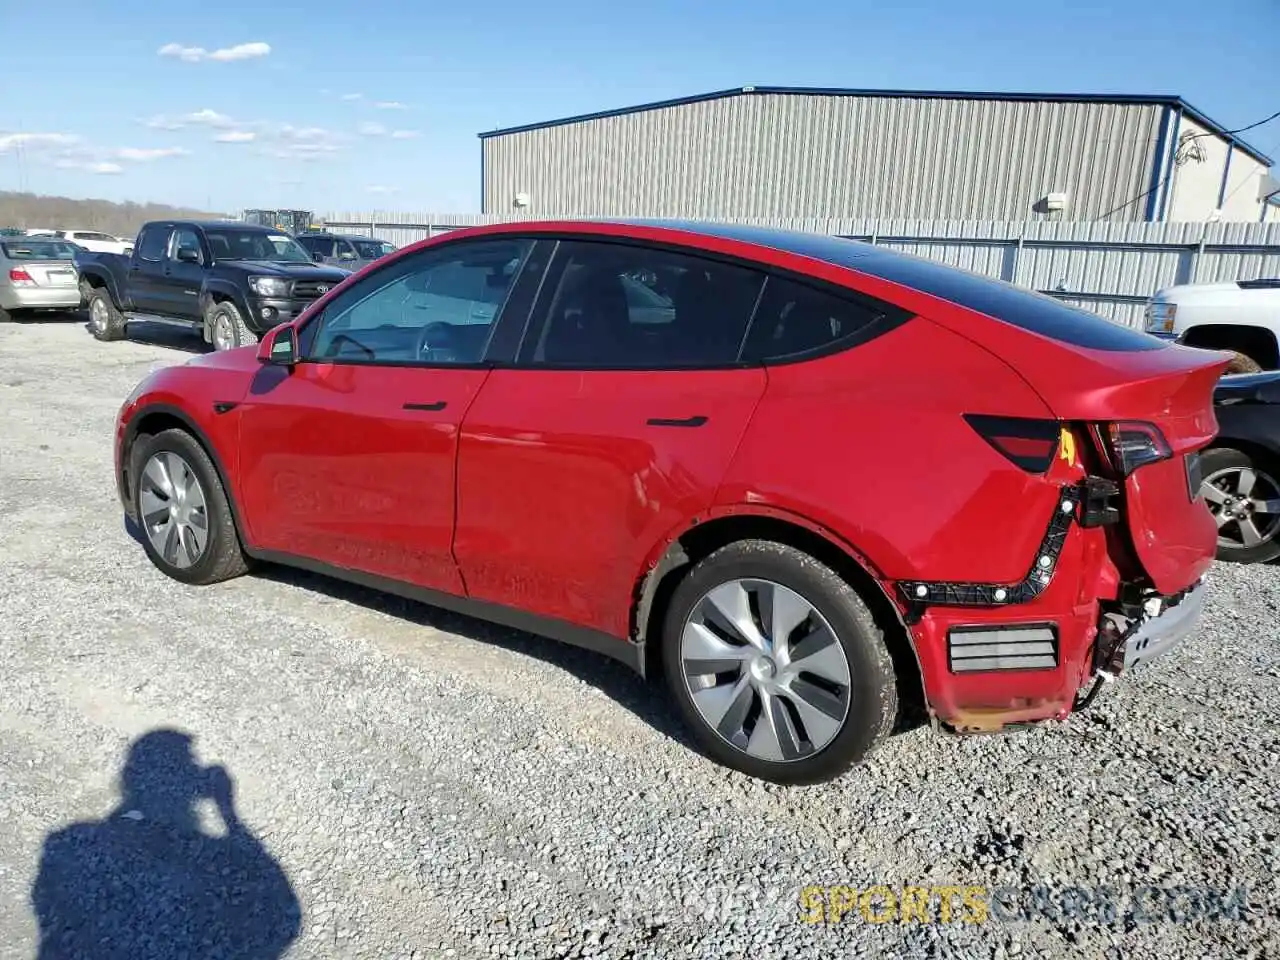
[5, 315]
[873, 693]
[223, 556]
[110, 323]
[1220, 460]
[239, 335]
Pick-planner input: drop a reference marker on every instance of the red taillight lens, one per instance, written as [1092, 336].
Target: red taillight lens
[1131, 444]
[19, 277]
[1028, 443]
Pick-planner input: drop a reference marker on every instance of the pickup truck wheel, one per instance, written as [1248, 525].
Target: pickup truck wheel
[1243, 494]
[227, 329]
[777, 665]
[105, 321]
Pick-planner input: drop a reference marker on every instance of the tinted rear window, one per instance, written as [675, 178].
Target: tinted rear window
[1018, 306]
[38, 250]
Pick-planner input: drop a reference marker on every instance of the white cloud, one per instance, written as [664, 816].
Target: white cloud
[389, 105]
[160, 122]
[241, 51]
[198, 118]
[377, 188]
[349, 97]
[236, 136]
[372, 130]
[405, 134]
[35, 141]
[143, 154]
[79, 160]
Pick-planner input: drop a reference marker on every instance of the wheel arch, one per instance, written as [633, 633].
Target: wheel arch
[1250, 339]
[672, 559]
[156, 418]
[215, 293]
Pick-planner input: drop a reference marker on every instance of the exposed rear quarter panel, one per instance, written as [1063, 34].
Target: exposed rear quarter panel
[870, 443]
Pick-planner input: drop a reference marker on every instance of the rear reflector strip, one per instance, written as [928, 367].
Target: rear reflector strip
[1024, 647]
[1027, 443]
[919, 594]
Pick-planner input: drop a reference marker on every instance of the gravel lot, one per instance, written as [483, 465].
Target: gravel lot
[431, 786]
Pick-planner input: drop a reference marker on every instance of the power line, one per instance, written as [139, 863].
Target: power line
[1177, 148]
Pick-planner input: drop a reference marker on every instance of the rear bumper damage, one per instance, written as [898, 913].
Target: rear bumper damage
[994, 658]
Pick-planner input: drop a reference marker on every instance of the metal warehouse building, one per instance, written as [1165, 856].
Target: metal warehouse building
[789, 152]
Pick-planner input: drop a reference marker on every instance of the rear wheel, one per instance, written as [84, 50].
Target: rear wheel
[1243, 494]
[5, 315]
[777, 665]
[187, 527]
[105, 321]
[227, 329]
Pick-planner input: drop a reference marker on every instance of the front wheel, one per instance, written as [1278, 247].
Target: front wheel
[777, 664]
[227, 329]
[187, 526]
[1243, 494]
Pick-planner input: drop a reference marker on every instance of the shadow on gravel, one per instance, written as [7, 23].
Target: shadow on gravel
[146, 883]
[160, 335]
[647, 699]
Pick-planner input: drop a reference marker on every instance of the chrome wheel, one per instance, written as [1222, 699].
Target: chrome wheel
[173, 508]
[224, 334]
[97, 315]
[764, 670]
[1245, 502]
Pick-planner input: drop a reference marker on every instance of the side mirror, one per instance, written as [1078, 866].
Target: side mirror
[318, 257]
[279, 346]
[188, 255]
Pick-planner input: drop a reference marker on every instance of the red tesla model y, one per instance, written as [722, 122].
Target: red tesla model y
[806, 479]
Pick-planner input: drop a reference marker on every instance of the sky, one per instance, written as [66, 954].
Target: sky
[367, 105]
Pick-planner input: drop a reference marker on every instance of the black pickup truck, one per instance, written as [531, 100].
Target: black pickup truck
[232, 281]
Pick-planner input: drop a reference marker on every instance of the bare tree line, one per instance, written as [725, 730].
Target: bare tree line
[30, 210]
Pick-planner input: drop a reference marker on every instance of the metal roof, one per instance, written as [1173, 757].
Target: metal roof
[1168, 100]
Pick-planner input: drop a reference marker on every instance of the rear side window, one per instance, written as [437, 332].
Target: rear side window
[1034, 312]
[795, 320]
[152, 243]
[317, 246]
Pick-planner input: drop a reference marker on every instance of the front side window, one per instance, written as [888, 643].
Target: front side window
[184, 238]
[437, 307]
[372, 249]
[620, 306]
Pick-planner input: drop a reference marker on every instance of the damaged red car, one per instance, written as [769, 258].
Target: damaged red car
[810, 482]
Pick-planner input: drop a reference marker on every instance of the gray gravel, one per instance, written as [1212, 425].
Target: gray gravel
[431, 786]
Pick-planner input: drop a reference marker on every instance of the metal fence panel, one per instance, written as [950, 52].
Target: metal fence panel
[1110, 268]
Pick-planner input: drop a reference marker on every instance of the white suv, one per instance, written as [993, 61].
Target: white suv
[93, 240]
[1243, 317]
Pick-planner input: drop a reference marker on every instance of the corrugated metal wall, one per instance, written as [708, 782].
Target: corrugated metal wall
[1111, 268]
[763, 155]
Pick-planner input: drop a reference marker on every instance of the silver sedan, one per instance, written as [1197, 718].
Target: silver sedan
[37, 274]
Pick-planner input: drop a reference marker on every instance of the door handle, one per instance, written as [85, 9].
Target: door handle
[436, 405]
[694, 421]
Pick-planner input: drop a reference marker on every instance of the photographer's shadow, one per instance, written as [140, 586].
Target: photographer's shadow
[146, 883]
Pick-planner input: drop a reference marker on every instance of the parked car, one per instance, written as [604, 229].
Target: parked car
[344, 249]
[742, 491]
[1242, 468]
[36, 274]
[231, 281]
[94, 241]
[1243, 317]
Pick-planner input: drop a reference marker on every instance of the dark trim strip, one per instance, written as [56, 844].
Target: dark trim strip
[920, 594]
[224, 406]
[694, 421]
[433, 406]
[628, 652]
